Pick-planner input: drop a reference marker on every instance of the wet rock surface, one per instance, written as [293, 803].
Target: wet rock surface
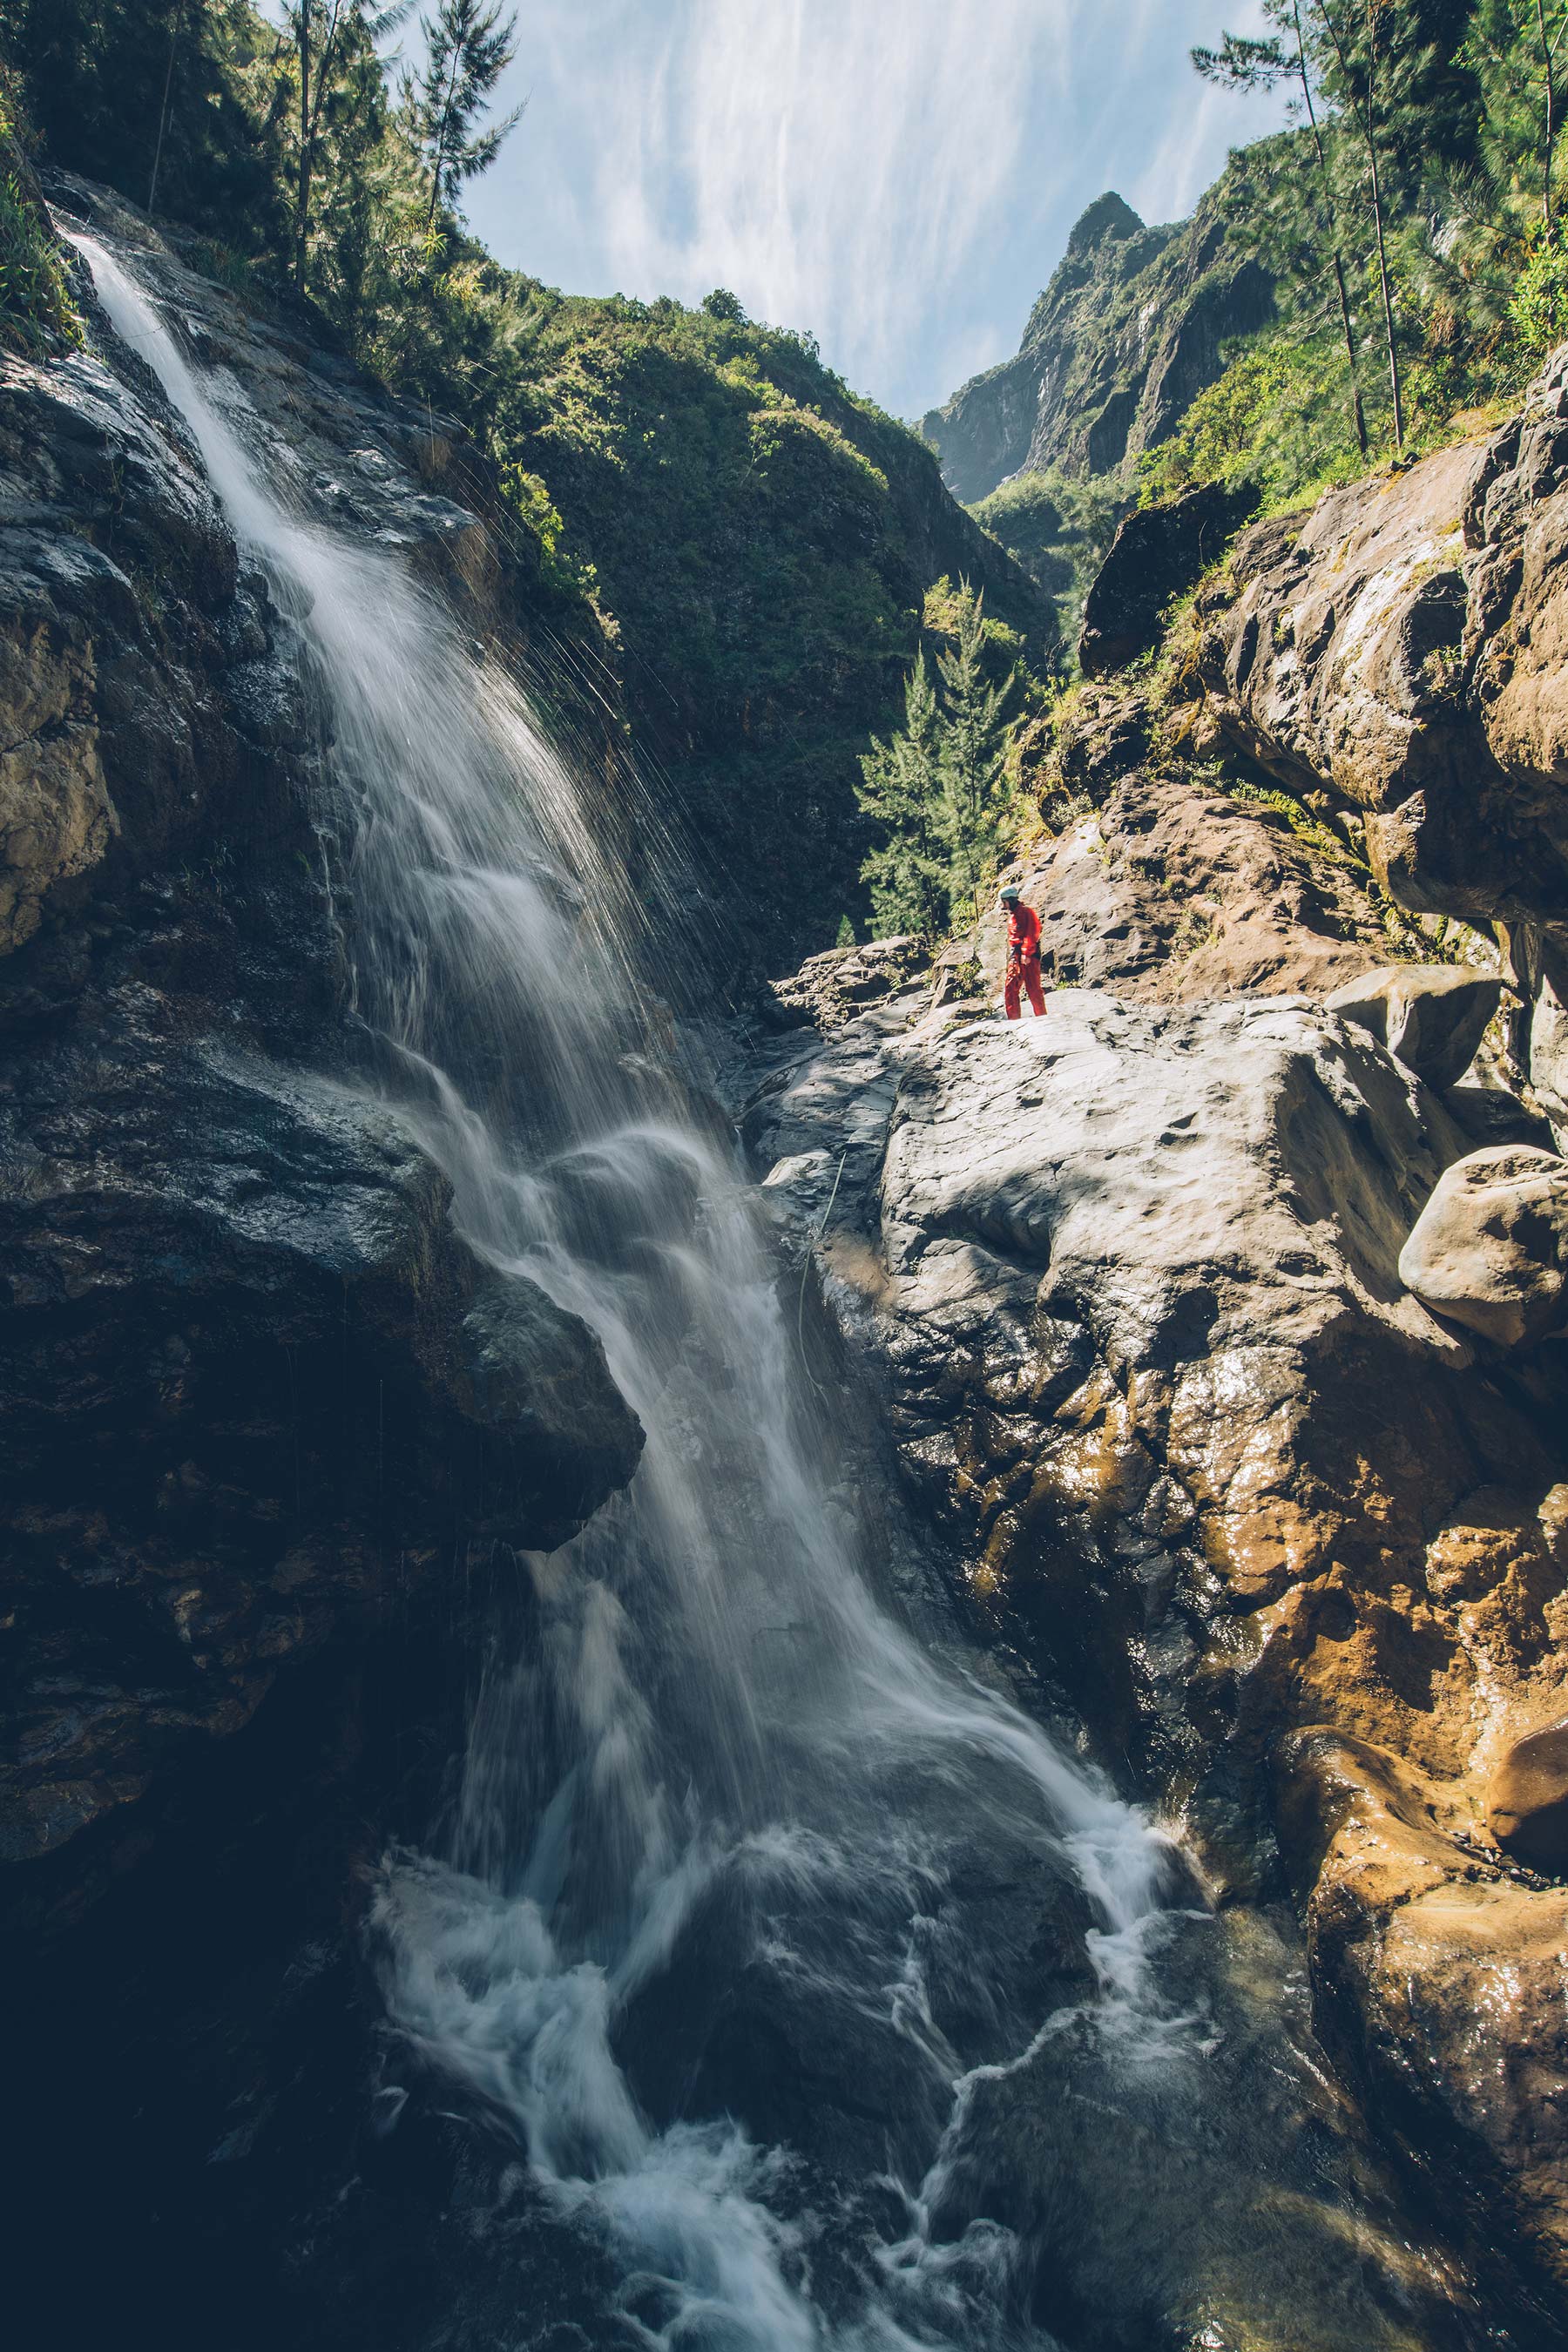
[256, 1395]
[274, 1434]
[1130, 1275]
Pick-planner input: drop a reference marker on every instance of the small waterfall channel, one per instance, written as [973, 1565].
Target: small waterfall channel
[747, 1903]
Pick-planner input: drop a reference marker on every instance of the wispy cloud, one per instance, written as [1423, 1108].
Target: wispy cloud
[897, 175]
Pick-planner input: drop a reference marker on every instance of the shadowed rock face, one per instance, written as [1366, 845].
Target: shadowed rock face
[1527, 1799]
[261, 1408]
[1158, 552]
[1131, 1273]
[1432, 1017]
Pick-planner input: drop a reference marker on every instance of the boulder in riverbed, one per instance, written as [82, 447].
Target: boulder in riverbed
[1431, 1016]
[1490, 1248]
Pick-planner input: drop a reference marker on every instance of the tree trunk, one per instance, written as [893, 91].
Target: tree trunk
[302, 199]
[1358, 412]
[1393, 383]
[163, 110]
[1367, 115]
[1551, 125]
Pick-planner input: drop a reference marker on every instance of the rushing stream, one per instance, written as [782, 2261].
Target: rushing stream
[753, 1910]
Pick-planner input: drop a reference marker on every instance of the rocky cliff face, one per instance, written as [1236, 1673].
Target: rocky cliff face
[1117, 348]
[1222, 1311]
[260, 1404]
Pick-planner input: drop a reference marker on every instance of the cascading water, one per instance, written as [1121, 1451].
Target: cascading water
[723, 1784]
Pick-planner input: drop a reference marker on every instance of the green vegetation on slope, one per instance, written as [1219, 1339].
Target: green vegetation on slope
[757, 539]
[1409, 223]
[763, 542]
[1420, 182]
[942, 791]
[1059, 531]
[37, 313]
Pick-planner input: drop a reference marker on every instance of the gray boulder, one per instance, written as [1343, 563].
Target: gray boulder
[1490, 1248]
[1431, 1016]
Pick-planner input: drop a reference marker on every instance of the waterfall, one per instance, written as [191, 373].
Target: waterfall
[721, 1745]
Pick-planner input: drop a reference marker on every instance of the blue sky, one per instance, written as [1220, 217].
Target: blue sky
[898, 176]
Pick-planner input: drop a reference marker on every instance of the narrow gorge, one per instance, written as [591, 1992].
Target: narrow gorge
[762, 1665]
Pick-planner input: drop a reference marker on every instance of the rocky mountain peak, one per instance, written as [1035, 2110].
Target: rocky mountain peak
[1128, 332]
[1109, 219]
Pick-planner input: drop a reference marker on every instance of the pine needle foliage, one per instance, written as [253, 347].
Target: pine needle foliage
[940, 791]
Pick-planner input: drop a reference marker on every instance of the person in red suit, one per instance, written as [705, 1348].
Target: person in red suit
[1022, 954]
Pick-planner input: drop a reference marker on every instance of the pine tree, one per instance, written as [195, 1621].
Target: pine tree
[1359, 79]
[902, 793]
[329, 39]
[1518, 53]
[467, 49]
[976, 741]
[1244, 63]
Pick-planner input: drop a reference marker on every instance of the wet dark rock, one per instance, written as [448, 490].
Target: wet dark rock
[254, 1384]
[537, 1376]
[259, 1401]
[1130, 1274]
[1158, 553]
[1437, 1987]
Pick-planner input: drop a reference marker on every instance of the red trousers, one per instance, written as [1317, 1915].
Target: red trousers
[1024, 973]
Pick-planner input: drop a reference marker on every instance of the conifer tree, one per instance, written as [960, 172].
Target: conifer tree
[328, 37]
[1361, 89]
[1242, 62]
[468, 48]
[902, 793]
[976, 740]
[1519, 52]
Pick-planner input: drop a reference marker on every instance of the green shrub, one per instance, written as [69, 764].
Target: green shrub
[37, 313]
[1539, 310]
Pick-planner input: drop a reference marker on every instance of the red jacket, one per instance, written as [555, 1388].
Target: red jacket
[1023, 933]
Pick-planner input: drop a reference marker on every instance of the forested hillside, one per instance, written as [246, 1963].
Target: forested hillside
[754, 539]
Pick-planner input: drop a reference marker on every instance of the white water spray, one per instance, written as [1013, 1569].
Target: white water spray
[718, 1716]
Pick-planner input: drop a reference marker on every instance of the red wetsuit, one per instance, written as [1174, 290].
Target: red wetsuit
[1022, 959]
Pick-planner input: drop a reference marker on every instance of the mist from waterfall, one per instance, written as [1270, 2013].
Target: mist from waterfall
[721, 1743]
